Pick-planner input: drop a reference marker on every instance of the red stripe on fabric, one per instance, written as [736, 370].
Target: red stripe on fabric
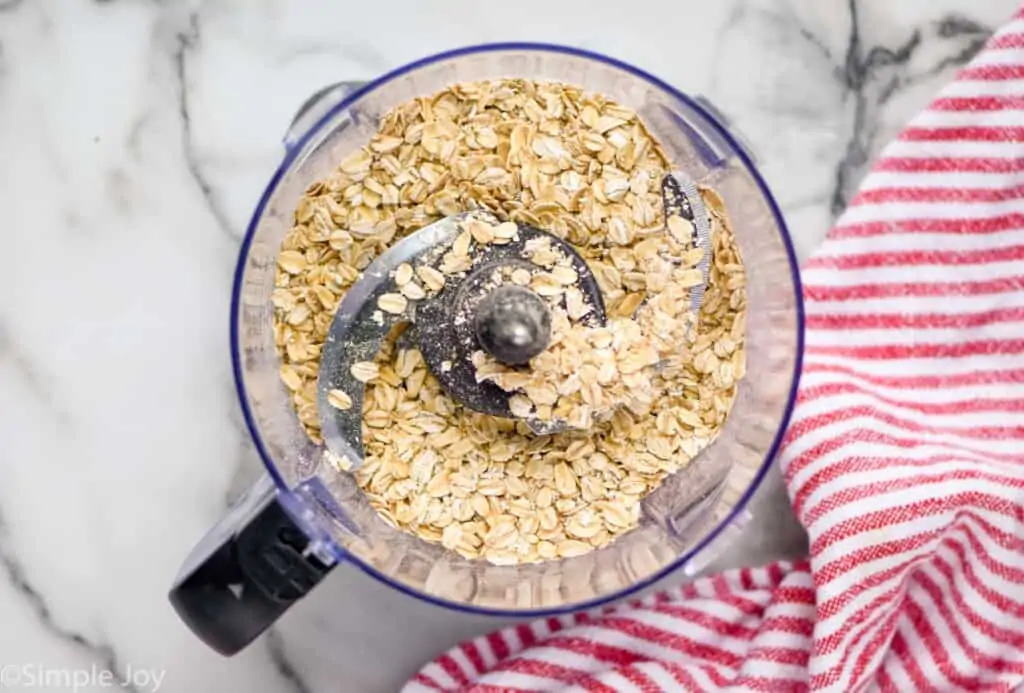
[594, 686]
[885, 683]
[765, 683]
[927, 194]
[853, 494]
[426, 681]
[1006, 41]
[675, 641]
[712, 673]
[690, 590]
[584, 617]
[1006, 636]
[789, 656]
[705, 620]
[473, 655]
[891, 516]
[953, 620]
[921, 623]
[488, 688]
[722, 586]
[557, 672]
[775, 574]
[611, 654]
[913, 382]
[901, 649]
[639, 679]
[663, 597]
[916, 258]
[876, 636]
[498, 645]
[992, 73]
[868, 630]
[859, 465]
[825, 447]
[801, 428]
[873, 552]
[1008, 573]
[453, 669]
[891, 352]
[725, 595]
[741, 604]
[761, 578]
[977, 103]
[832, 607]
[960, 531]
[796, 465]
[877, 630]
[859, 292]
[973, 225]
[793, 625]
[682, 676]
[860, 436]
[804, 596]
[526, 635]
[950, 165]
[963, 133]
[914, 321]
[965, 406]
[867, 615]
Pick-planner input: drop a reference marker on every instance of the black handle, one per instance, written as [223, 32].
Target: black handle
[255, 563]
[245, 573]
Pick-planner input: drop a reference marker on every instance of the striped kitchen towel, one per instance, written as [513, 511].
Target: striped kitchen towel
[904, 459]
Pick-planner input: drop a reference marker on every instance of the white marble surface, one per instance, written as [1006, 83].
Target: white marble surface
[135, 138]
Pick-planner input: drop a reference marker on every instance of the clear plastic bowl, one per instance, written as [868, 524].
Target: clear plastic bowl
[695, 511]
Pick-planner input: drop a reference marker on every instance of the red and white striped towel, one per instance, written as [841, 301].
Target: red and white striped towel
[904, 460]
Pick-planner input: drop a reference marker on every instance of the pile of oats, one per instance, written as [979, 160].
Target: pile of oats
[651, 388]
[588, 372]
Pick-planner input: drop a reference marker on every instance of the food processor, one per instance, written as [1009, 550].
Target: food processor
[308, 515]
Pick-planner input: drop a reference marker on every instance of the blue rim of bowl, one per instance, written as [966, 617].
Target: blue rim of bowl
[290, 156]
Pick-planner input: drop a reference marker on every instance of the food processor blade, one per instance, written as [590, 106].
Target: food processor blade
[357, 332]
[681, 197]
[463, 317]
[447, 327]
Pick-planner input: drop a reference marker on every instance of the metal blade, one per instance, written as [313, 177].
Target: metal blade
[680, 196]
[359, 329]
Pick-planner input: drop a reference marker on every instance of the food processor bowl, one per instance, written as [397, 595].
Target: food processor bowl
[307, 516]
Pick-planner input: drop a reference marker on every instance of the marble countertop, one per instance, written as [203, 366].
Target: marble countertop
[135, 138]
